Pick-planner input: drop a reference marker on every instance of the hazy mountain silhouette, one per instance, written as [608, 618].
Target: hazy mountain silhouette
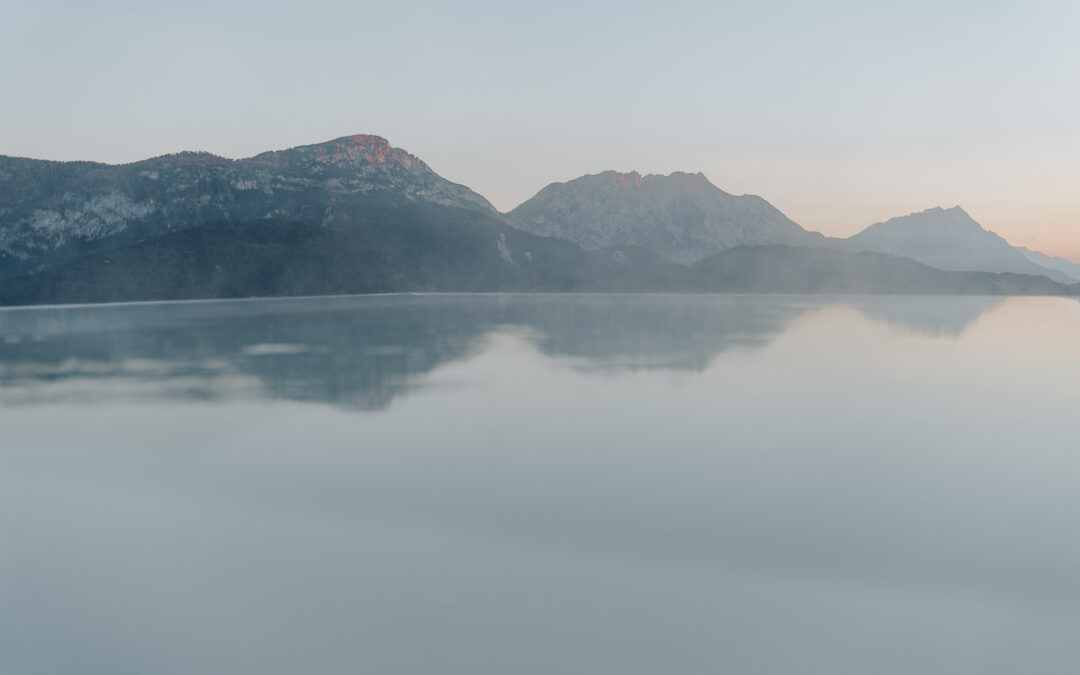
[1068, 268]
[949, 239]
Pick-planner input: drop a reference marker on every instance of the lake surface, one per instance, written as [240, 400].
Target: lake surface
[542, 484]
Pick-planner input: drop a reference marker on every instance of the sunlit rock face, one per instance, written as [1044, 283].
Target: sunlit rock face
[681, 216]
[56, 211]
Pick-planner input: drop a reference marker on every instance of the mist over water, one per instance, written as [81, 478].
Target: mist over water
[539, 484]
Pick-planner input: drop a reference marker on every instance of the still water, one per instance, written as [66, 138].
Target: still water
[542, 484]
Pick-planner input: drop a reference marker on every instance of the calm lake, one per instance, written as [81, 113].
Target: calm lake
[540, 485]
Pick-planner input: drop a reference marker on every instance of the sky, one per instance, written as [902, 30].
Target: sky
[840, 113]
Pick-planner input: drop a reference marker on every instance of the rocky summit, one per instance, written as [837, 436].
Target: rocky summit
[681, 216]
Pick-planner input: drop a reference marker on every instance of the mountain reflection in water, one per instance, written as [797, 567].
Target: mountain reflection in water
[542, 484]
[363, 352]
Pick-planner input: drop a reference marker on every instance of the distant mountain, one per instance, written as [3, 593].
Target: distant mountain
[948, 239]
[1068, 268]
[51, 212]
[681, 216]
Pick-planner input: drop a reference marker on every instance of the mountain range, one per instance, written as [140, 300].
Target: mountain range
[356, 215]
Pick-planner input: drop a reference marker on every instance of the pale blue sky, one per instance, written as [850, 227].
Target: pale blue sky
[840, 113]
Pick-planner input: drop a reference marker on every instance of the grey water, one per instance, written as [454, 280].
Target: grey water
[542, 484]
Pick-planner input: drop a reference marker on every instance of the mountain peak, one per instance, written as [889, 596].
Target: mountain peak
[955, 212]
[368, 139]
[948, 239]
[937, 219]
[627, 180]
[361, 151]
[681, 215]
[352, 140]
[681, 181]
[689, 182]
